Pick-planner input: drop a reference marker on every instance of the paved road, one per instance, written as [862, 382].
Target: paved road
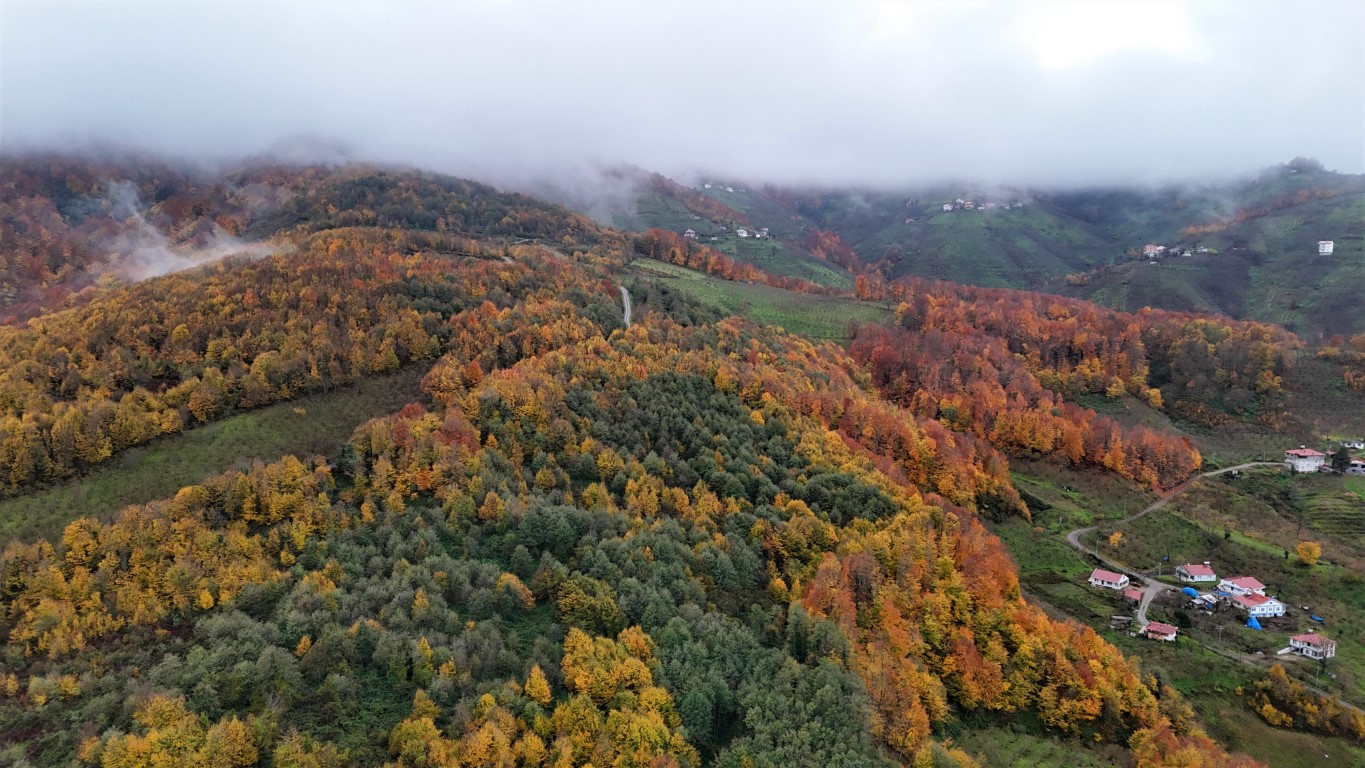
[625, 298]
[1153, 587]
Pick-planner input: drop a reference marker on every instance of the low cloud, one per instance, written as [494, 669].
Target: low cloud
[872, 93]
[141, 251]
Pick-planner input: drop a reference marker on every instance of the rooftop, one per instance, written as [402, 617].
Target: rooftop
[1311, 639]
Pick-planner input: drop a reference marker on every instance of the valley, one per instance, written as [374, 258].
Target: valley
[461, 457]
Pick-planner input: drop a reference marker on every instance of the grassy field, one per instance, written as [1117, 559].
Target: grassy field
[819, 317]
[1001, 747]
[316, 424]
[776, 258]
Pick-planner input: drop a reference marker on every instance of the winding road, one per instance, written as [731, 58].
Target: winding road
[625, 298]
[1153, 587]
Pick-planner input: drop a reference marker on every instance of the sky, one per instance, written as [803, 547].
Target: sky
[855, 92]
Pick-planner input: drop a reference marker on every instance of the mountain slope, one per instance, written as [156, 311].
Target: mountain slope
[689, 541]
[1264, 267]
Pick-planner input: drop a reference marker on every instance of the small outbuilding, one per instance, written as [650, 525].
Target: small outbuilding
[1159, 631]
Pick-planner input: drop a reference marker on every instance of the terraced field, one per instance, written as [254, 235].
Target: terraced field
[1337, 514]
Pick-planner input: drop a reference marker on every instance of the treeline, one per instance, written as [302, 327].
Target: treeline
[975, 384]
[79, 387]
[359, 196]
[1264, 208]
[69, 224]
[1206, 369]
[1286, 703]
[1350, 353]
[827, 245]
[663, 245]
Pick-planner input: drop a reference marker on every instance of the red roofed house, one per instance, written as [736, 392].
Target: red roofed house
[1241, 585]
[1103, 578]
[1133, 596]
[1259, 606]
[1191, 573]
[1158, 631]
[1313, 646]
[1304, 459]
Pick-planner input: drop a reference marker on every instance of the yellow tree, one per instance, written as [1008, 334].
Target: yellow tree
[1309, 552]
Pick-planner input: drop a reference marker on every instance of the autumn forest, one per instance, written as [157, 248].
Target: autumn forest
[690, 541]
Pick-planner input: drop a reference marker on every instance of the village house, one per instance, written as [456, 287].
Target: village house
[762, 232]
[1108, 579]
[690, 234]
[947, 206]
[1325, 247]
[1192, 573]
[1158, 631]
[1304, 459]
[969, 205]
[1132, 596]
[1259, 606]
[1356, 467]
[1241, 585]
[706, 186]
[1313, 645]
[742, 232]
[1355, 445]
[1151, 249]
[729, 189]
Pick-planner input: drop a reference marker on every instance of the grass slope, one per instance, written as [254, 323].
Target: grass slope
[1265, 268]
[1018, 248]
[819, 317]
[317, 424]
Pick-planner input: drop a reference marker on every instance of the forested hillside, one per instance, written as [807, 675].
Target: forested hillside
[692, 541]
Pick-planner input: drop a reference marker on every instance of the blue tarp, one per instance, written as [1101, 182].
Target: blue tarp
[1190, 591]
[1253, 623]
[1318, 619]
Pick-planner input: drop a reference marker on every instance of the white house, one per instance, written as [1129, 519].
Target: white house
[706, 186]
[729, 189]
[690, 234]
[1157, 631]
[1151, 249]
[1314, 646]
[1356, 467]
[1193, 573]
[947, 206]
[1241, 585]
[1325, 247]
[1102, 578]
[1259, 606]
[1304, 459]
[742, 232]
[1355, 445]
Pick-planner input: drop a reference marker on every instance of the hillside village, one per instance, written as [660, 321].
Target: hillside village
[1237, 615]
